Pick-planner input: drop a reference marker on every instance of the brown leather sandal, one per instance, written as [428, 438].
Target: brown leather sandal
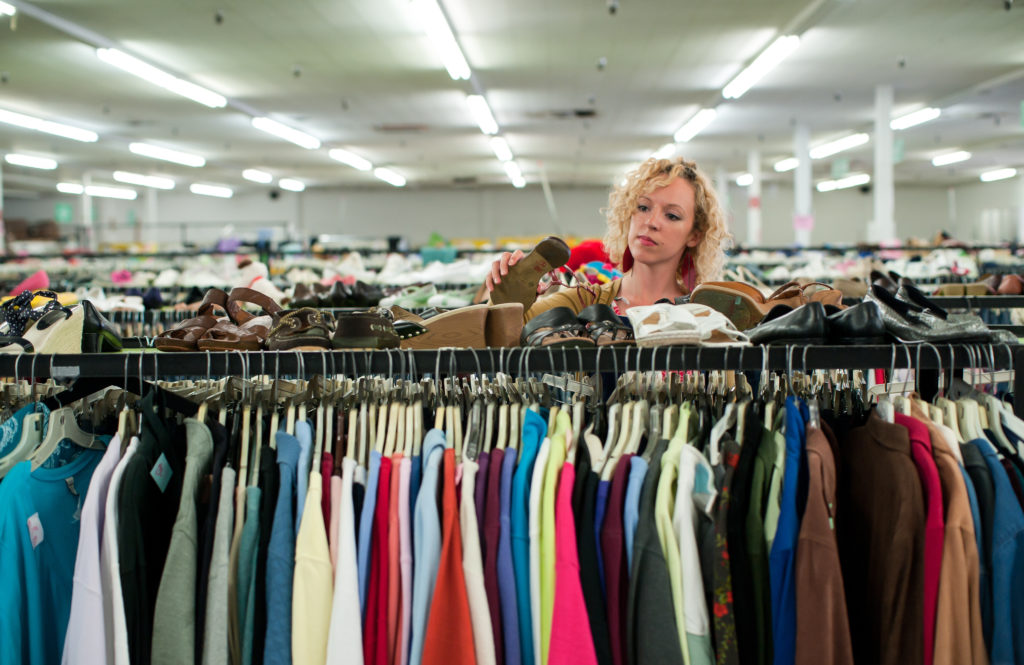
[244, 331]
[186, 335]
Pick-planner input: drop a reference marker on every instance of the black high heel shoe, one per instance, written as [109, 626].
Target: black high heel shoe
[98, 334]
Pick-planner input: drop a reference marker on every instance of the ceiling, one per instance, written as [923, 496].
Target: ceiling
[364, 76]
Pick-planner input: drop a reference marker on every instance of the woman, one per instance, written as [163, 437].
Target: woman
[666, 230]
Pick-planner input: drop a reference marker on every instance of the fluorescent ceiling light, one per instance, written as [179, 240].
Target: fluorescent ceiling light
[300, 139]
[844, 183]
[951, 158]
[30, 161]
[839, 145]
[745, 179]
[481, 113]
[255, 175]
[70, 188]
[762, 64]
[666, 151]
[220, 191]
[515, 174]
[147, 72]
[7, 9]
[111, 192]
[40, 125]
[918, 117]
[787, 164]
[156, 182]
[156, 152]
[350, 158]
[998, 174]
[694, 125]
[291, 184]
[389, 176]
[441, 36]
[501, 150]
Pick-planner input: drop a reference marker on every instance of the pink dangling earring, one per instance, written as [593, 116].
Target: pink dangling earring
[627, 260]
[689, 272]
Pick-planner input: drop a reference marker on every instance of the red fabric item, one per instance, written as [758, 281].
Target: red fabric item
[326, 468]
[449, 637]
[613, 549]
[571, 640]
[34, 282]
[394, 563]
[934, 530]
[627, 260]
[375, 643]
[492, 533]
[585, 252]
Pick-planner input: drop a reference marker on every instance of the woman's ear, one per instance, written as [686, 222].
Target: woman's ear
[695, 239]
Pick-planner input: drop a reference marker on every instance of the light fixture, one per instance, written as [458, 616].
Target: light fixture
[291, 184]
[694, 125]
[98, 190]
[918, 117]
[70, 188]
[389, 176]
[255, 175]
[285, 132]
[441, 36]
[156, 182]
[515, 174]
[47, 126]
[998, 174]
[951, 158]
[843, 183]
[147, 72]
[762, 64]
[220, 191]
[501, 149]
[745, 179]
[839, 145]
[787, 164]
[30, 161]
[7, 9]
[481, 113]
[666, 151]
[166, 154]
[350, 158]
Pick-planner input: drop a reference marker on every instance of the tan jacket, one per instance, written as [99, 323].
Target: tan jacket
[576, 299]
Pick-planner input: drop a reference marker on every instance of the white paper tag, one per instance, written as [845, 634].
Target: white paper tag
[35, 530]
[161, 472]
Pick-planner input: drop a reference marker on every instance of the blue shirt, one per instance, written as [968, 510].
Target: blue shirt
[506, 570]
[426, 524]
[782, 559]
[281, 556]
[10, 430]
[366, 529]
[631, 506]
[1007, 565]
[534, 428]
[415, 477]
[603, 488]
[304, 434]
[39, 527]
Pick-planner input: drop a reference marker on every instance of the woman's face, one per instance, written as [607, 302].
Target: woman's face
[661, 227]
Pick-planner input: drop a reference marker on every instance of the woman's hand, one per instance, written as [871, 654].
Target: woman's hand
[500, 268]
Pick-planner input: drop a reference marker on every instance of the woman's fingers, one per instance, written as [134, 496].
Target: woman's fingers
[501, 266]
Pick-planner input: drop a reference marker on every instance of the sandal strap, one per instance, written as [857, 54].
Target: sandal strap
[597, 329]
[564, 331]
[241, 294]
[18, 311]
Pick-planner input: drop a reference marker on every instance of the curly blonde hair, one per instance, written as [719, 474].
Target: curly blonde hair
[708, 218]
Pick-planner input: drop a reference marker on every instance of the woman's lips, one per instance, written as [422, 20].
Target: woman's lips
[646, 241]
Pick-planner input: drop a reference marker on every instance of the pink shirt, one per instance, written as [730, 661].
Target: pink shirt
[571, 641]
[934, 530]
[404, 560]
[394, 555]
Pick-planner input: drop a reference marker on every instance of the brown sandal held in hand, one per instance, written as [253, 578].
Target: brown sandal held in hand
[186, 335]
[520, 284]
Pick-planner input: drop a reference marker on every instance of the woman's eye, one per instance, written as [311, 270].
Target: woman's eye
[674, 218]
[642, 208]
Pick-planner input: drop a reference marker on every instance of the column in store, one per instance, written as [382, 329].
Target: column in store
[754, 198]
[883, 227]
[803, 213]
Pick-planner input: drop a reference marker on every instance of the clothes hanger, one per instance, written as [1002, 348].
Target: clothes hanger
[410, 419]
[31, 437]
[718, 430]
[391, 435]
[620, 444]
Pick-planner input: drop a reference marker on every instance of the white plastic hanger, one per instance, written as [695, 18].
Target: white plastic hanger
[63, 426]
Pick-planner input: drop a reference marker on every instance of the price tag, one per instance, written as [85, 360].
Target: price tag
[161, 472]
[35, 530]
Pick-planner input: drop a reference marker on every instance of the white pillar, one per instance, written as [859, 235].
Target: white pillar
[3, 234]
[754, 233]
[884, 226]
[86, 202]
[722, 186]
[1020, 208]
[152, 217]
[803, 213]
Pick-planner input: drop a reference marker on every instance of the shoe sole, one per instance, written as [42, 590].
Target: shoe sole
[520, 284]
[741, 311]
[464, 327]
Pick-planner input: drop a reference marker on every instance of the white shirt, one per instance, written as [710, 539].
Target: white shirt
[114, 625]
[345, 636]
[536, 486]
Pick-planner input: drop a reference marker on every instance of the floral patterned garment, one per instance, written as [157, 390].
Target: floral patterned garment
[726, 651]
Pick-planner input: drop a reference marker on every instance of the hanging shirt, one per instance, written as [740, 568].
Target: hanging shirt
[473, 569]
[533, 432]
[571, 640]
[281, 557]
[663, 505]
[332, 528]
[584, 499]
[757, 547]
[404, 561]
[822, 629]
[364, 542]
[506, 571]
[449, 636]
[604, 488]
[415, 478]
[741, 568]
[247, 553]
[426, 542]
[934, 531]
[215, 633]
[1007, 545]
[208, 528]
[984, 487]
[536, 491]
[723, 608]
[304, 435]
[345, 640]
[375, 644]
[695, 500]
[556, 457]
[394, 596]
[492, 533]
[11, 429]
[631, 507]
[268, 483]
[616, 574]
[175, 614]
[326, 469]
[314, 583]
[148, 503]
[480, 495]
[773, 503]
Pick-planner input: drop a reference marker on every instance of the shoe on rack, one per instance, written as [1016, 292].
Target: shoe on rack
[520, 284]
[37, 281]
[557, 327]
[242, 331]
[804, 325]
[98, 333]
[860, 324]
[465, 327]
[185, 335]
[884, 281]
[909, 323]
[1010, 285]
[57, 331]
[372, 329]
[667, 324]
[304, 329]
[152, 299]
[415, 296]
[606, 327]
[504, 325]
[743, 304]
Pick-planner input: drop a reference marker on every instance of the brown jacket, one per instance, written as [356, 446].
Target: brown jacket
[576, 299]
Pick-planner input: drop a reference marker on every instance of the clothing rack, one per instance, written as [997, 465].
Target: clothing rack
[930, 359]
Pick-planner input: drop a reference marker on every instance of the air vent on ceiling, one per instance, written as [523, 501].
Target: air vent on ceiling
[403, 128]
[465, 180]
[565, 114]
